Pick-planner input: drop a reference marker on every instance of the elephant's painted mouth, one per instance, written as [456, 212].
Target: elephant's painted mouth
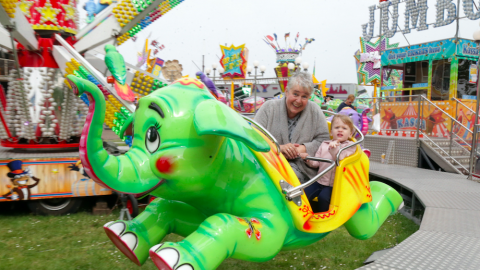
[153, 188]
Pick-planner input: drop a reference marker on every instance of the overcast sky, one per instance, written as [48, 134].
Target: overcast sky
[197, 27]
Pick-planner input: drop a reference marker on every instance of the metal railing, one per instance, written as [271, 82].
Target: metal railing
[458, 102]
[265, 131]
[422, 101]
[294, 193]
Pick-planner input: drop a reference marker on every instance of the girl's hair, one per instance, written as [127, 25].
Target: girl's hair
[346, 120]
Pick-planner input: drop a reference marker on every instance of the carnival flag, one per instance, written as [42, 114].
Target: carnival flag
[306, 42]
[270, 44]
[269, 39]
[296, 38]
[287, 35]
[275, 35]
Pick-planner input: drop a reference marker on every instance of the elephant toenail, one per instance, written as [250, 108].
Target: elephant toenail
[170, 256]
[186, 266]
[118, 228]
[130, 239]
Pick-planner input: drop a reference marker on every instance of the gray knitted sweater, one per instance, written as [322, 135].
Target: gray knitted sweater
[311, 129]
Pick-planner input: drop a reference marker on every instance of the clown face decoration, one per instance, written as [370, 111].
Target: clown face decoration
[19, 190]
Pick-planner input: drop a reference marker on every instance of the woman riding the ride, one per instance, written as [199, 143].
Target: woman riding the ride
[297, 123]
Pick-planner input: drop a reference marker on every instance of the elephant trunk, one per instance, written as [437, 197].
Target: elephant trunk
[120, 173]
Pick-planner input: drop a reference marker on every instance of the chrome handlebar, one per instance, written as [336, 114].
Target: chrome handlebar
[294, 193]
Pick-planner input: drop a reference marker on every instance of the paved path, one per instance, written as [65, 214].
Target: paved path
[449, 235]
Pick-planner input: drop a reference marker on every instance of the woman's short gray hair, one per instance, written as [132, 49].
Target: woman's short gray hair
[302, 79]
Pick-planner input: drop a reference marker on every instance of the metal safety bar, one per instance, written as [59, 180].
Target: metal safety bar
[443, 151]
[458, 101]
[424, 98]
[293, 193]
[265, 131]
[474, 146]
[453, 122]
[462, 140]
[453, 119]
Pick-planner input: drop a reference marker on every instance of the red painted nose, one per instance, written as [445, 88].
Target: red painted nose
[165, 165]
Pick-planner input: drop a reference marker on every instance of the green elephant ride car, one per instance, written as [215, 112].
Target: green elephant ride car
[218, 183]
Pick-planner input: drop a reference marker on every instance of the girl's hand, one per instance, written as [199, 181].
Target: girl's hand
[300, 148]
[333, 144]
[303, 155]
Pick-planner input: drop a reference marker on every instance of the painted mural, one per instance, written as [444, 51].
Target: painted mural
[404, 116]
[466, 116]
[31, 179]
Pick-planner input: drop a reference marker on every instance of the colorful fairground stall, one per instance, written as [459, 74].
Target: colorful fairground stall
[41, 120]
[444, 72]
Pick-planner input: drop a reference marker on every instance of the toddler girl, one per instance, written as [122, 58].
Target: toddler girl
[341, 130]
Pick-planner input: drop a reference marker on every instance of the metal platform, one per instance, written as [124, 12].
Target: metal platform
[403, 149]
[449, 234]
[447, 154]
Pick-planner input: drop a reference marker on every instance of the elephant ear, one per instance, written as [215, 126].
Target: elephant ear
[215, 118]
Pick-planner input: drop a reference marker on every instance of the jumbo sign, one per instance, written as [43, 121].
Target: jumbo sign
[415, 16]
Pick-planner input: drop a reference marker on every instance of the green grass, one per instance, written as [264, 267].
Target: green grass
[78, 241]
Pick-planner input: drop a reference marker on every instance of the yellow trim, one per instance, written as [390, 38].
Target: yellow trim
[406, 89]
[350, 191]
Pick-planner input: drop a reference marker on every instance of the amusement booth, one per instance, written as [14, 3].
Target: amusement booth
[424, 91]
[41, 119]
[444, 72]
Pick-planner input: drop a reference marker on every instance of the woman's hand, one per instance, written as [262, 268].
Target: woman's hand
[333, 144]
[289, 151]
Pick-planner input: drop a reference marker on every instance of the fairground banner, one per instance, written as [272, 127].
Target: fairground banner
[31, 179]
[405, 115]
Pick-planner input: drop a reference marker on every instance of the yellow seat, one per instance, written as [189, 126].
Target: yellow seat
[350, 190]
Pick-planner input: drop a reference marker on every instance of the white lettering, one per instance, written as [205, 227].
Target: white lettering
[369, 36]
[450, 7]
[389, 32]
[418, 13]
[468, 9]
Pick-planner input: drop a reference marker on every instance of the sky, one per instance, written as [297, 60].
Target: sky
[196, 28]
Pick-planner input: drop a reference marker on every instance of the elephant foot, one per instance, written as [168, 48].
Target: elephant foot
[171, 256]
[126, 241]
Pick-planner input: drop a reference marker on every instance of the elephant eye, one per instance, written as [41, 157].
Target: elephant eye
[152, 140]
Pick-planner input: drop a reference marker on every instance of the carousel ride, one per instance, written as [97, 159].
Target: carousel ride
[39, 109]
[56, 98]
[41, 44]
